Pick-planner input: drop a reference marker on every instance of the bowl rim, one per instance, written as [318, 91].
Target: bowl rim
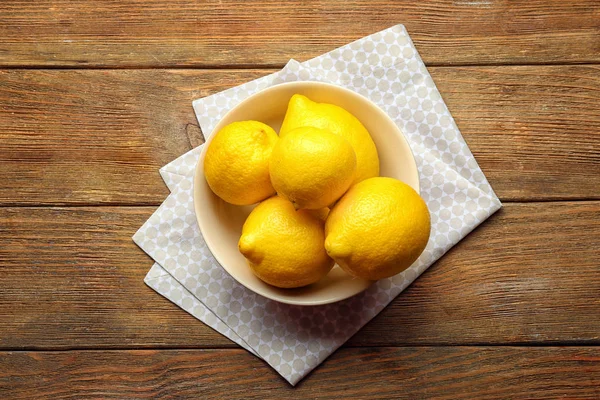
[199, 174]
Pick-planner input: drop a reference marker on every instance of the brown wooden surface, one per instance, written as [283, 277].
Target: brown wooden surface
[534, 130]
[87, 286]
[377, 373]
[161, 33]
[96, 96]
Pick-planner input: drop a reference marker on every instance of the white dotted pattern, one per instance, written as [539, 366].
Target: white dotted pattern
[386, 68]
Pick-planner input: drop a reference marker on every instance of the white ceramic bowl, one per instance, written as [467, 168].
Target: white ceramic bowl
[221, 223]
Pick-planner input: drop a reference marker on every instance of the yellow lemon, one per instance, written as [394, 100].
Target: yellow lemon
[236, 165]
[304, 112]
[312, 167]
[284, 246]
[378, 229]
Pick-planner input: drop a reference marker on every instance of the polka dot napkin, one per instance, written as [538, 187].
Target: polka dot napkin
[386, 68]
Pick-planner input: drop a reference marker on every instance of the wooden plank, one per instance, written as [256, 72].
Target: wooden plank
[530, 274]
[73, 279]
[535, 131]
[98, 137]
[180, 33]
[73, 137]
[371, 373]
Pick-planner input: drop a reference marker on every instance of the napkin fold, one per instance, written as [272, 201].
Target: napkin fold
[386, 68]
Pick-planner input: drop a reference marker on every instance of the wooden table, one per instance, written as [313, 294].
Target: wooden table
[96, 96]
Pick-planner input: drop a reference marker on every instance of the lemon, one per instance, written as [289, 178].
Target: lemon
[312, 167]
[284, 246]
[236, 165]
[304, 112]
[378, 229]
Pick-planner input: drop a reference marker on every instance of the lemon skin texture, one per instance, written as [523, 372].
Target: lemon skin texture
[236, 164]
[378, 228]
[312, 167]
[284, 246]
[304, 112]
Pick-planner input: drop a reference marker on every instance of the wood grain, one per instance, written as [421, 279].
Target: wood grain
[530, 274]
[163, 34]
[535, 131]
[80, 149]
[73, 137]
[381, 373]
[98, 137]
[72, 278]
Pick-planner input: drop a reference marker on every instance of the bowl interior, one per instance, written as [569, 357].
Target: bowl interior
[221, 223]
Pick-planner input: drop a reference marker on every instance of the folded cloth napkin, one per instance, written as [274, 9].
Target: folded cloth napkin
[386, 68]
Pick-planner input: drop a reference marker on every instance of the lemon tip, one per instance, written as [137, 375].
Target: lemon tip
[247, 245]
[336, 249]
